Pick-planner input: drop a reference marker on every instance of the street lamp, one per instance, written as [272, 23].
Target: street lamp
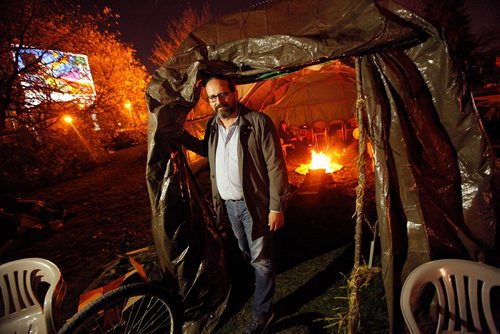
[68, 119]
[128, 106]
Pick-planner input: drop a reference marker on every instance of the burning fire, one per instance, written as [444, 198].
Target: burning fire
[319, 161]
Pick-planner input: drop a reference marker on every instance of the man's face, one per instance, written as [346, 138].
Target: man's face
[221, 98]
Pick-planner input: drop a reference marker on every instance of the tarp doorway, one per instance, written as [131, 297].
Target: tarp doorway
[433, 166]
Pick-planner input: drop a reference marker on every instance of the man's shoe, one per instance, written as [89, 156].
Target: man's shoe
[259, 326]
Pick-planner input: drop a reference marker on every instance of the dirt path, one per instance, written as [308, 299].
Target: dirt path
[111, 217]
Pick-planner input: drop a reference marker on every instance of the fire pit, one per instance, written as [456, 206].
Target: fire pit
[315, 181]
[315, 176]
[318, 174]
[319, 161]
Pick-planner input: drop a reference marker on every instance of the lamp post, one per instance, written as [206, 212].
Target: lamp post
[128, 106]
[69, 120]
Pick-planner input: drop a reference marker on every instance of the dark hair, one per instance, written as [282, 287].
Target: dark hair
[223, 77]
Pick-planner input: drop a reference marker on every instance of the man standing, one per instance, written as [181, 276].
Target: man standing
[249, 182]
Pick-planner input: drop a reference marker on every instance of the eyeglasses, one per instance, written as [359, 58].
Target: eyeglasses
[222, 96]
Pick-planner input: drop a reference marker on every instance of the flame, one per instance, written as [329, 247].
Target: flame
[319, 161]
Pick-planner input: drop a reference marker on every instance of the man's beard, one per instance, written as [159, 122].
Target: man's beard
[224, 111]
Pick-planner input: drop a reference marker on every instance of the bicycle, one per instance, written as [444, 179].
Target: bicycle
[131, 308]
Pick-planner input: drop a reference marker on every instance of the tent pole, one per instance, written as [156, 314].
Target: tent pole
[354, 281]
[360, 189]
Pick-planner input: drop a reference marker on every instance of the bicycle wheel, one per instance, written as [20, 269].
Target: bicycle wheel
[133, 308]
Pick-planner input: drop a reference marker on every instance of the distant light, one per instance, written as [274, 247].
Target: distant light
[128, 105]
[68, 119]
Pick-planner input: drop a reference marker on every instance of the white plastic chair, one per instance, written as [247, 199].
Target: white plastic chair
[319, 130]
[350, 125]
[463, 296]
[298, 132]
[336, 128]
[23, 309]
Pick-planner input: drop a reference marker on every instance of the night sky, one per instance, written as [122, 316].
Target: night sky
[141, 20]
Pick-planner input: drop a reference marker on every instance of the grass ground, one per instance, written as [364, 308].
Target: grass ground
[310, 295]
[314, 256]
[314, 249]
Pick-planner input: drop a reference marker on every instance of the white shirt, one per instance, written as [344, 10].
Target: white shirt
[226, 162]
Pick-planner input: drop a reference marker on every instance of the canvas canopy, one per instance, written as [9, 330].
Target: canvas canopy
[326, 91]
[321, 92]
[433, 166]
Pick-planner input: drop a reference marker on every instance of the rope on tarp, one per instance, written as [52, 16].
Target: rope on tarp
[354, 312]
[360, 189]
[360, 275]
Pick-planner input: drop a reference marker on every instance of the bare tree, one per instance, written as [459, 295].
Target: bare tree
[177, 31]
[41, 42]
[450, 17]
[24, 25]
[120, 81]
[37, 34]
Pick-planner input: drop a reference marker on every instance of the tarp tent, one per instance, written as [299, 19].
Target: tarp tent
[321, 92]
[325, 91]
[433, 166]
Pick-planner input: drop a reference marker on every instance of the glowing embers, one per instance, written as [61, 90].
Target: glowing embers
[318, 178]
[319, 161]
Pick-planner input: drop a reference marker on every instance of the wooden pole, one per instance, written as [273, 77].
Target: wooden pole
[354, 317]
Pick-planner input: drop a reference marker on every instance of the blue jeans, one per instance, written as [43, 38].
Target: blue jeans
[260, 251]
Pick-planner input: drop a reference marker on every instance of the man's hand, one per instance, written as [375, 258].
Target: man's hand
[276, 220]
[173, 144]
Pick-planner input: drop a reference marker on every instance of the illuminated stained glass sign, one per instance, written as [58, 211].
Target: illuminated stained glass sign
[62, 76]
